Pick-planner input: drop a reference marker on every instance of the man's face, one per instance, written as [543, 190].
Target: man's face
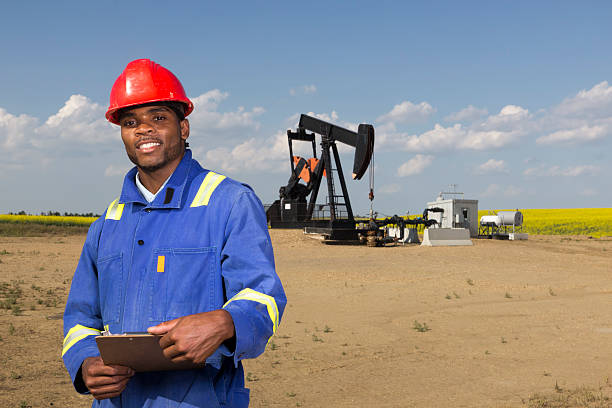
[154, 137]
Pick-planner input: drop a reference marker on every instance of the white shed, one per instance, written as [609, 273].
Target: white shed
[458, 213]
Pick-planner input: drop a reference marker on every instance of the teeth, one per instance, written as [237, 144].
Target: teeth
[147, 145]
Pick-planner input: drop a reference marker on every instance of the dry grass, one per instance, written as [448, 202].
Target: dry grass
[580, 397]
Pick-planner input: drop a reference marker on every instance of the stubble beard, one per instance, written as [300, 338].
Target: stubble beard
[170, 155]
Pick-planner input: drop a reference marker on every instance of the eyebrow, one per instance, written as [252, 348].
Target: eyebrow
[159, 109]
[152, 110]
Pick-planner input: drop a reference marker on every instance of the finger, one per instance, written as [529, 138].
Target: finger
[122, 370]
[172, 351]
[180, 359]
[97, 382]
[117, 386]
[165, 342]
[97, 370]
[109, 391]
[163, 327]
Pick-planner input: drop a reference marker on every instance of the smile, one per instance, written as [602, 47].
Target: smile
[148, 146]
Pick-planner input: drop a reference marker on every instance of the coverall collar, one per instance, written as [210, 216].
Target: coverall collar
[169, 197]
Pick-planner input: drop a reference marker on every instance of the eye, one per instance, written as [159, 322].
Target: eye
[128, 123]
[159, 117]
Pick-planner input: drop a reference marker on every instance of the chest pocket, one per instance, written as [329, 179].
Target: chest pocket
[110, 284]
[182, 282]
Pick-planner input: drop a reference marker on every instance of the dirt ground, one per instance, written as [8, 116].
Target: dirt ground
[490, 325]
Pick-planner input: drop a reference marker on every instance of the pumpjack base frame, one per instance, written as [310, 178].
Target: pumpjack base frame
[334, 234]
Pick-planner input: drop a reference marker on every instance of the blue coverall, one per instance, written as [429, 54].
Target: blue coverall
[201, 245]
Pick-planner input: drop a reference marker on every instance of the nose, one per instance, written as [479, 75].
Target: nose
[144, 128]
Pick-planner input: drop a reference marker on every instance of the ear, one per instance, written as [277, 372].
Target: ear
[184, 129]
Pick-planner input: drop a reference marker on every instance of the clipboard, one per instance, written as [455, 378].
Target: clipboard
[139, 351]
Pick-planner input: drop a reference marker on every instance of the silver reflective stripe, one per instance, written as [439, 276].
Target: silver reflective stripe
[114, 211]
[208, 186]
[77, 333]
[254, 296]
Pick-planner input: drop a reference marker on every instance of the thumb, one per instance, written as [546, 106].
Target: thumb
[163, 327]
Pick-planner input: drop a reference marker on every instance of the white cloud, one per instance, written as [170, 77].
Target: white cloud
[80, 126]
[305, 89]
[584, 117]
[252, 154]
[14, 130]
[414, 166]
[492, 139]
[389, 189]
[439, 138]
[593, 103]
[470, 113]
[270, 154]
[583, 134]
[492, 166]
[511, 118]
[309, 89]
[589, 192]
[557, 171]
[407, 112]
[207, 120]
[114, 170]
[453, 137]
[495, 190]
[79, 121]
[495, 132]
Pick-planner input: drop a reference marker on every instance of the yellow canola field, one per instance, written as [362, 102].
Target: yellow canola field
[46, 219]
[596, 222]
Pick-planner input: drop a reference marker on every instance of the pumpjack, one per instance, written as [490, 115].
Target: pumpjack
[334, 219]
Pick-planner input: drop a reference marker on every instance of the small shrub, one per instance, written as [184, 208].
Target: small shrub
[420, 327]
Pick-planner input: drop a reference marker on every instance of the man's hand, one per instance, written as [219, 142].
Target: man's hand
[194, 337]
[104, 381]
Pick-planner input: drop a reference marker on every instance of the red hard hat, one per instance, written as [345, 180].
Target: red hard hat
[144, 81]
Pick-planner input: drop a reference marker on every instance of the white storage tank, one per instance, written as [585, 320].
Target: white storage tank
[490, 220]
[503, 218]
[511, 218]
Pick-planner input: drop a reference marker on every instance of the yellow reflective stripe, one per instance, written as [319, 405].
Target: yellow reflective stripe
[76, 334]
[209, 184]
[114, 211]
[161, 263]
[250, 294]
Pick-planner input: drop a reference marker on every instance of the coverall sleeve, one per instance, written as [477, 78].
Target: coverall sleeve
[82, 318]
[256, 299]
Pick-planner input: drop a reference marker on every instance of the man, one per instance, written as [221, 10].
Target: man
[183, 253]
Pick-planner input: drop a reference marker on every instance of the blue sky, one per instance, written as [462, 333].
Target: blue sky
[510, 101]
